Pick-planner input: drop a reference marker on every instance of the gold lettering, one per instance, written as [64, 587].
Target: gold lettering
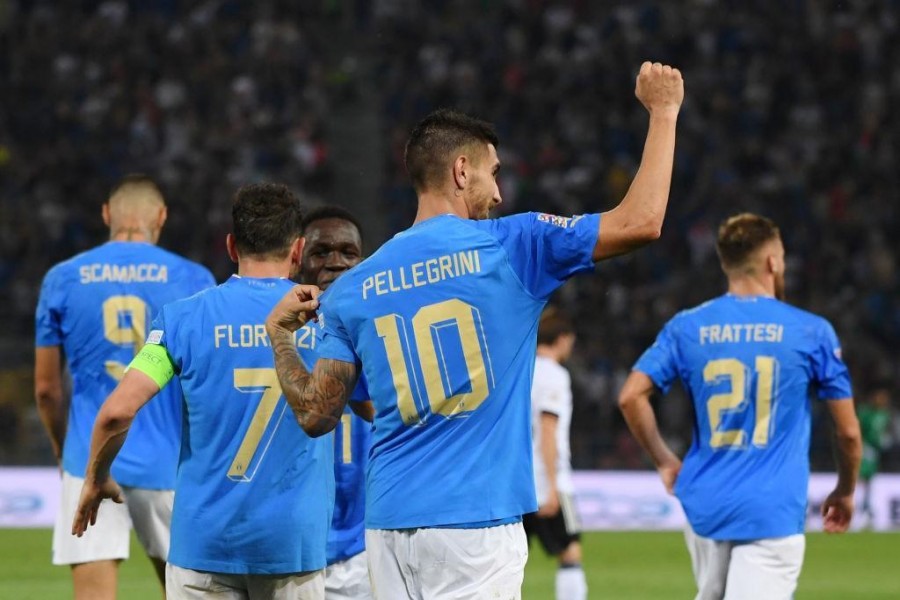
[418, 274]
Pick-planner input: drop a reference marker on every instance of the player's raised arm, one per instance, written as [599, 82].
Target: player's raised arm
[638, 219]
[317, 398]
[110, 429]
[837, 510]
[634, 402]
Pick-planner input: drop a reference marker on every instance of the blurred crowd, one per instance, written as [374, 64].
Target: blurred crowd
[787, 113]
[202, 95]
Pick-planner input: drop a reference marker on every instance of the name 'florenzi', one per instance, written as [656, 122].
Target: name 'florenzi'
[418, 274]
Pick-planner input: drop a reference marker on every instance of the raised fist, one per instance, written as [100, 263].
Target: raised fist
[659, 87]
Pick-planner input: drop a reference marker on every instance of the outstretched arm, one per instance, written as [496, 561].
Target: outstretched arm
[110, 429]
[634, 402]
[837, 510]
[638, 219]
[317, 398]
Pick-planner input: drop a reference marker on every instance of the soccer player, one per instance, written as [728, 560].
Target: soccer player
[555, 523]
[748, 361]
[874, 419]
[93, 312]
[442, 320]
[254, 493]
[334, 245]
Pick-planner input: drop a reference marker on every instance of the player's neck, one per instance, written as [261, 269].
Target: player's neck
[132, 234]
[263, 269]
[433, 204]
[750, 286]
[548, 352]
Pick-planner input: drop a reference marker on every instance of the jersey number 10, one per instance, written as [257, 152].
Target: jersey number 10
[435, 329]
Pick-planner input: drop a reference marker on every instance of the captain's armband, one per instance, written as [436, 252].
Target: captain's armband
[154, 362]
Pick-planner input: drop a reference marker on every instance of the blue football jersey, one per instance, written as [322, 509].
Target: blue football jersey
[254, 493]
[352, 441]
[749, 365]
[98, 306]
[443, 321]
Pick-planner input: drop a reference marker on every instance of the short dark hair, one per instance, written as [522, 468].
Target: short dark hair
[331, 211]
[742, 235]
[436, 137]
[136, 180]
[266, 219]
[553, 325]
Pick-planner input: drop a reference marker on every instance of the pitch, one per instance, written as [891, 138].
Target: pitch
[620, 565]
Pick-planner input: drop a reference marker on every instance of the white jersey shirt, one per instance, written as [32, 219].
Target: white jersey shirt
[551, 393]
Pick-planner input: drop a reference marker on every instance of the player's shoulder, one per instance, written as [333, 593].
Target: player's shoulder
[181, 262]
[812, 323]
[68, 268]
[190, 304]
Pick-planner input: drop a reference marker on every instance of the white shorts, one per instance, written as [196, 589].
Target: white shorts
[109, 539]
[766, 568]
[348, 579]
[187, 584]
[462, 564]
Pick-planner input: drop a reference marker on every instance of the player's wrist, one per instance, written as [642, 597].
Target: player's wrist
[666, 114]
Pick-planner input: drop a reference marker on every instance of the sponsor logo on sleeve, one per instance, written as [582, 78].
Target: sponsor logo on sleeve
[554, 220]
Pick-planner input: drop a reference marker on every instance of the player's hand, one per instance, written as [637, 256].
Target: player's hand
[92, 494]
[296, 308]
[669, 474]
[837, 510]
[551, 506]
[660, 88]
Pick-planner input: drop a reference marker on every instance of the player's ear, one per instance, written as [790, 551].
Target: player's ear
[772, 264]
[297, 251]
[161, 217]
[460, 171]
[105, 212]
[231, 247]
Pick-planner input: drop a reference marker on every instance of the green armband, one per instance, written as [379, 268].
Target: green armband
[154, 362]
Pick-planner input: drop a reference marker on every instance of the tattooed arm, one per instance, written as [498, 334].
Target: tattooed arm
[317, 398]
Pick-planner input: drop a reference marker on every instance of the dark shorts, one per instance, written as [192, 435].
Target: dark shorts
[558, 531]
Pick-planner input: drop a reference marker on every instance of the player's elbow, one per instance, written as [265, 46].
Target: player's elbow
[315, 425]
[115, 416]
[46, 395]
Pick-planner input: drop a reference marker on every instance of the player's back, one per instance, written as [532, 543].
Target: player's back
[448, 358]
[98, 306]
[749, 365]
[254, 492]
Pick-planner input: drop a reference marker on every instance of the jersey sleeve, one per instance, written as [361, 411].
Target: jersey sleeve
[550, 393]
[48, 315]
[659, 362]
[830, 372]
[335, 343]
[545, 250]
[161, 334]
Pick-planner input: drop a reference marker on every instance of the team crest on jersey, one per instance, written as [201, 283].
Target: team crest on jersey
[155, 336]
[555, 220]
